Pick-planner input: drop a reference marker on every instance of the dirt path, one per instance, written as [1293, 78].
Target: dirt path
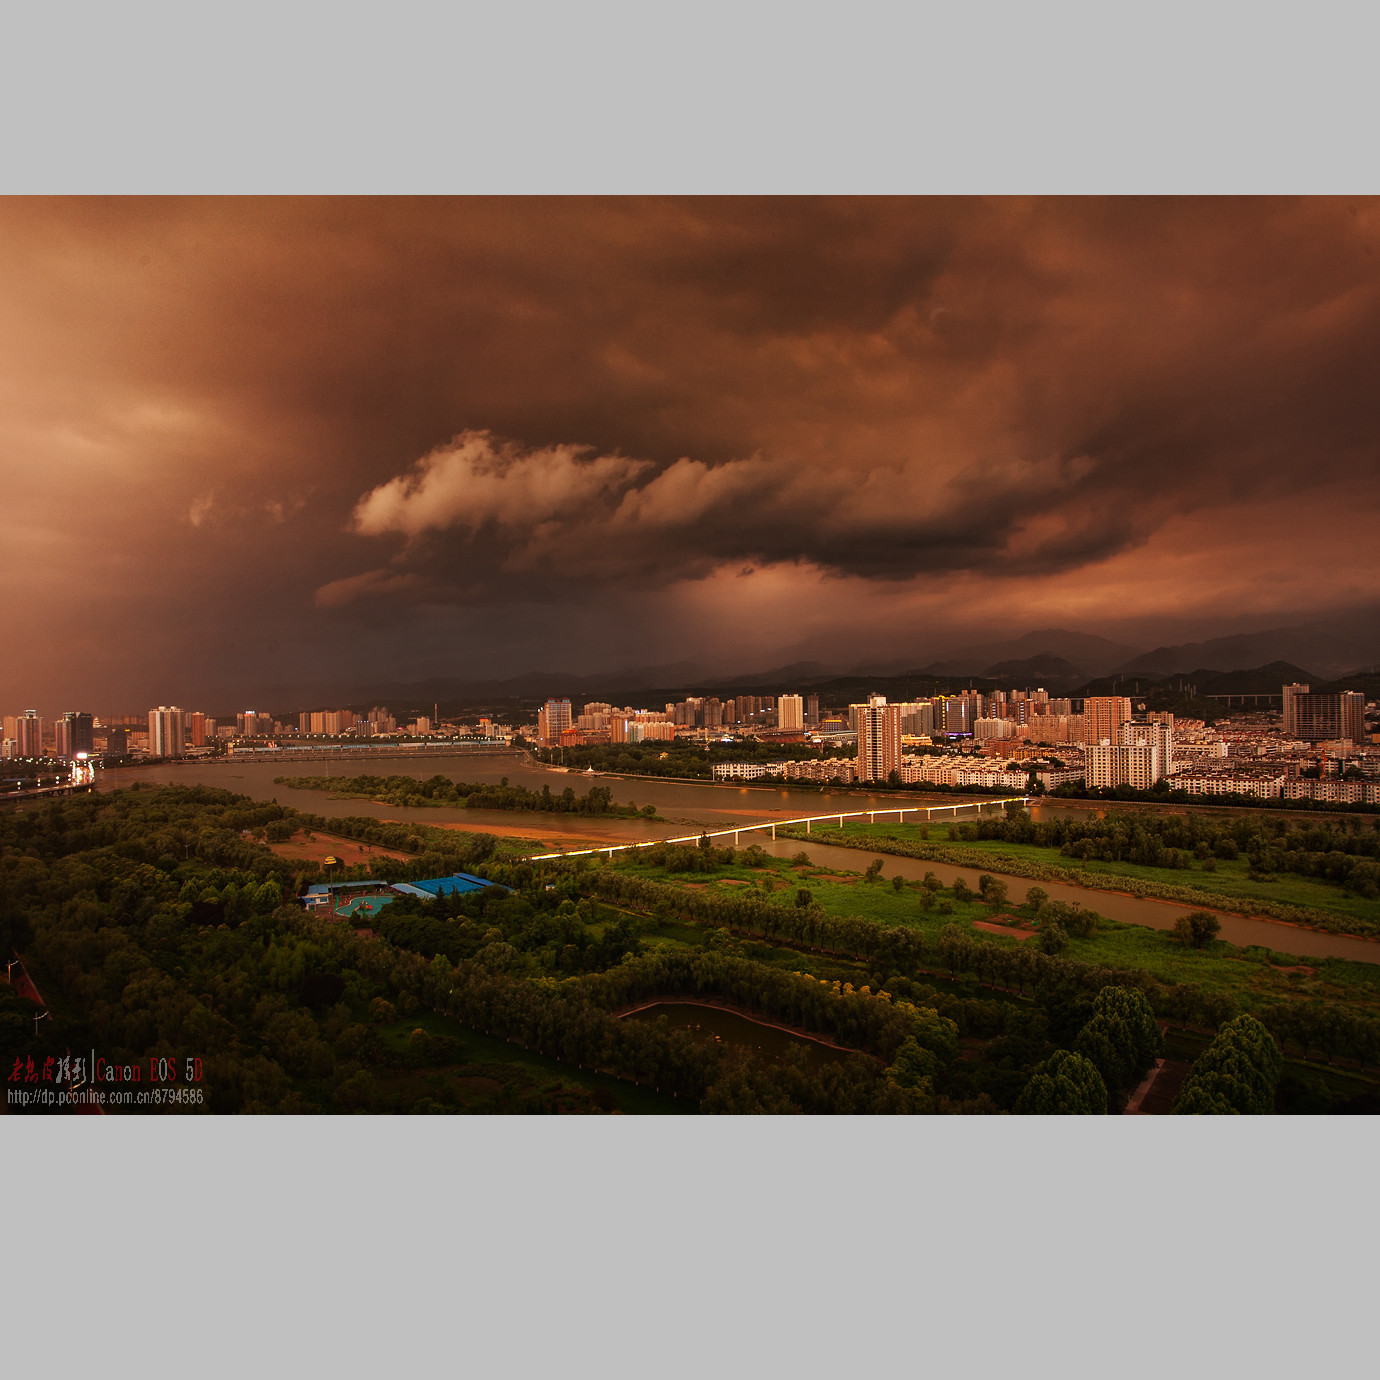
[1015, 931]
[1156, 1096]
[324, 845]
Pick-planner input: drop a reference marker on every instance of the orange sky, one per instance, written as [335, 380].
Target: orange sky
[255, 445]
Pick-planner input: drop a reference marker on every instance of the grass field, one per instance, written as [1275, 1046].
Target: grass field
[1256, 976]
[1229, 886]
[1231, 877]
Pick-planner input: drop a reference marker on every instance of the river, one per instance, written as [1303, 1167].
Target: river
[687, 806]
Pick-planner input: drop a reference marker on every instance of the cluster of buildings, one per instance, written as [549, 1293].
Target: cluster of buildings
[1319, 748]
[169, 731]
[27, 737]
[599, 723]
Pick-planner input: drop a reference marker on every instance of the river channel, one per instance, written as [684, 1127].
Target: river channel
[687, 806]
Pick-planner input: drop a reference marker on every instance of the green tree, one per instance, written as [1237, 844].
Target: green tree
[913, 1064]
[1121, 1038]
[874, 870]
[1236, 1074]
[1066, 1084]
[1197, 929]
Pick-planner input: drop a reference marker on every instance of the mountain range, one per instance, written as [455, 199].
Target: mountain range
[1059, 659]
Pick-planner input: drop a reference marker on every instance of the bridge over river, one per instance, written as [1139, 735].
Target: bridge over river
[834, 817]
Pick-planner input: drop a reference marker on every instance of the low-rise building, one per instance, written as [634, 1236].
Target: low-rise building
[1269, 785]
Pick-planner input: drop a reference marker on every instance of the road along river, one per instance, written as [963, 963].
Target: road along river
[687, 806]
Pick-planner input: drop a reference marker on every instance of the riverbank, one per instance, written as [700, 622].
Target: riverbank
[1105, 883]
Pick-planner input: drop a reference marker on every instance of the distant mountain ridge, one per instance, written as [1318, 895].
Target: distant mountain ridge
[1059, 659]
[1333, 648]
[1086, 653]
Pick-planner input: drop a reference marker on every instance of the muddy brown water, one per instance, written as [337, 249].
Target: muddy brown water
[687, 806]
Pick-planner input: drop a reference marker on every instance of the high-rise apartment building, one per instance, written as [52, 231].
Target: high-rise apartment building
[1056, 728]
[166, 732]
[28, 735]
[812, 710]
[879, 739]
[72, 734]
[917, 718]
[958, 716]
[1320, 718]
[1291, 722]
[984, 729]
[1103, 716]
[1155, 733]
[790, 711]
[194, 728]
[1115, 764]
[553, 718]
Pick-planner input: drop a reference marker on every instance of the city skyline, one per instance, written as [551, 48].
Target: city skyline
[277, 443]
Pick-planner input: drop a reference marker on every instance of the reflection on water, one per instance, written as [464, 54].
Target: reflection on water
[708, 1023]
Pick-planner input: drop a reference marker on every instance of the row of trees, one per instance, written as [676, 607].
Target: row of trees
[569, 1021]
[1342, 851]
[441, 790]
[900, 949]
[858, 1019]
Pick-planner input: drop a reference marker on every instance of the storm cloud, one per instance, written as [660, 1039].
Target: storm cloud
[244, 438]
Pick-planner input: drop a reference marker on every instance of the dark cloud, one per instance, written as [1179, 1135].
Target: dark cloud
[234, 432]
